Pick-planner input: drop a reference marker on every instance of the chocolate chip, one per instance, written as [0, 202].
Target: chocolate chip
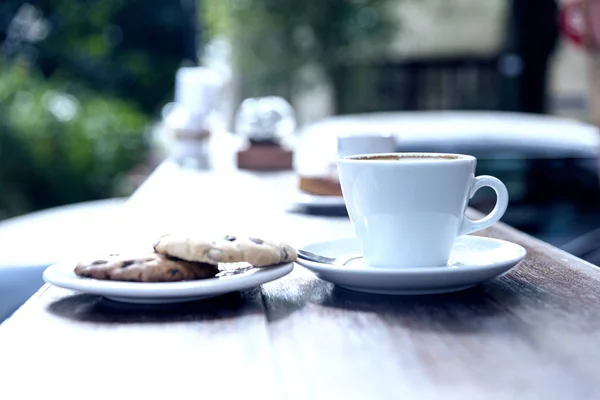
[127, 263]
[257, 241]
[173, 271]
[98, 262]
[285, 254]
[230, 238]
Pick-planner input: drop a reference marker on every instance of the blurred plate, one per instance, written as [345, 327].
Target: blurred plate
[310, 200]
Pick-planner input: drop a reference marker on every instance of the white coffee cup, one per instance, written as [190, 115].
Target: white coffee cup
[407, 209]
[365, 143]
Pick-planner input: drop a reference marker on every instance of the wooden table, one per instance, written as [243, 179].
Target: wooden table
[531, 334]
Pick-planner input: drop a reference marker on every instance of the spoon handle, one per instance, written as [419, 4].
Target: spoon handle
[307, 255]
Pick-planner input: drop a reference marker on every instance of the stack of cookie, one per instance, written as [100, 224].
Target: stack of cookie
[181, 258]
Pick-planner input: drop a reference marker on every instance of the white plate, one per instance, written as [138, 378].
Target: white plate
[62, 275]
[473, 260]
[311, 200]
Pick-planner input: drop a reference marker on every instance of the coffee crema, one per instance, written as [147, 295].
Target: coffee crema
[385, 157]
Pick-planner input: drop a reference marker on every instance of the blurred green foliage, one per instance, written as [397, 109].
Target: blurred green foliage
[128, 48]
[80, 83]
[273, 41]
[58, 147]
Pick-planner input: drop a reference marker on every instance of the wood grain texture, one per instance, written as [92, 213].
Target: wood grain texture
[533, 333]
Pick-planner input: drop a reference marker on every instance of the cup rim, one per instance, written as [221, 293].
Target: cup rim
[412, 158]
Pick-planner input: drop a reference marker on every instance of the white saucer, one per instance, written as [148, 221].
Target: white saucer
[311, 200]
[62, 275]
[473, 260]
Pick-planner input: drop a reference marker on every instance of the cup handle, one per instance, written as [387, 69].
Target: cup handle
[468, 226]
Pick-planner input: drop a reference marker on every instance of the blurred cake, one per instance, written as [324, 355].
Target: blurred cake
[327, 184]
[315, 163]
[323, 142]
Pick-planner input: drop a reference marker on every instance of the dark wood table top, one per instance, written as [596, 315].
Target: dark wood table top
[533, 333]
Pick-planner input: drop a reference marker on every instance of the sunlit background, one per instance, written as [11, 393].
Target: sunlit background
[83, 84]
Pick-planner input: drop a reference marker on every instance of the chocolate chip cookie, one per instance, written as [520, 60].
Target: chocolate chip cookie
[145, 268]
[257, 252]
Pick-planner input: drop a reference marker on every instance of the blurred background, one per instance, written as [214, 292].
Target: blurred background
[84, 83]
